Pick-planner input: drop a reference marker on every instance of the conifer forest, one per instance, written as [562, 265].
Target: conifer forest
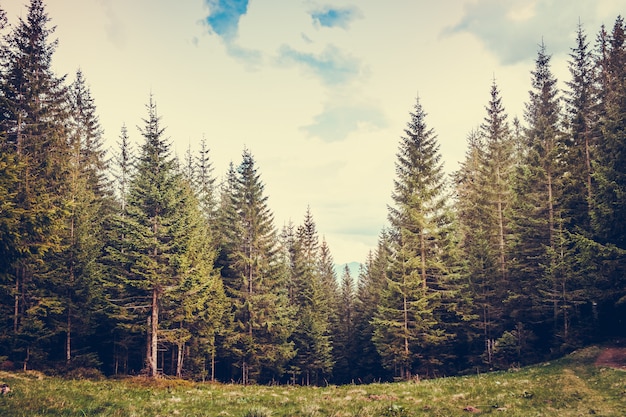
[129, 261]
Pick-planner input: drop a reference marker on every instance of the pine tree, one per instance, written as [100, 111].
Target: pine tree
[89, 205]
[484, 199]
[581, 120]
[610, 174]
[372, 281]
[198, 305]
[255, 281]
[154, 242]
[480, 266]
[407, 322]
[314, 304]
[33, 125]
[205, 182]
[123, 317]
[344, 342]
[537, 214]
[607, 248]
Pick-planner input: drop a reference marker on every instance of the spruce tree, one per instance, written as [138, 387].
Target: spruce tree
[197, 305]
[254, 278]
[581, 99]
[33, 125]
[89, 203]
[537, 214]
[124, 317]
[476, 243]
[155, 248]
[371, 283]
[205, 182]
[607, 248]
[484, 200]
[313, 302]
[344, 342]
[407, 321]
[610, 175]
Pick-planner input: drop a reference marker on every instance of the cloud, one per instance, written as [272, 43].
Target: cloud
[223, 18]
[332, 66]
[251, 58]
[115, 30]
[336, 123]
[335, 17]
[513, 29]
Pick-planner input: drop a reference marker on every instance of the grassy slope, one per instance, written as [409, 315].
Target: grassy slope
[572, 386]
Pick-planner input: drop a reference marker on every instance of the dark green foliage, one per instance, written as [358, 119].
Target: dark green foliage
[165, 261]
[610, 170]
[371, 282]
[254, 279]
[312, 295]
[537, 214]
[33, 124]
[582, 131]
[407, 324]
[484, 198]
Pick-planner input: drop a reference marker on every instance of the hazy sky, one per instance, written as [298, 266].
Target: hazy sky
[318, 91]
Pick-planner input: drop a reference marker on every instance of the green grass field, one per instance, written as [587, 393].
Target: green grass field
[572, 386]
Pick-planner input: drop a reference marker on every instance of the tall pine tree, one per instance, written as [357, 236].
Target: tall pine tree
[33, 125]
[254, 278]
[407, 324]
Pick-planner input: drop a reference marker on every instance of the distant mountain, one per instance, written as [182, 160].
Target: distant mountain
[354, 270]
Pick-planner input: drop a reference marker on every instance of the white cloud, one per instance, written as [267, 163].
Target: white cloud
[513, 29]
[336, 123]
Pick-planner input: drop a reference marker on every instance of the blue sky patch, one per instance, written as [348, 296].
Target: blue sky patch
[224, 16]
[335, 17]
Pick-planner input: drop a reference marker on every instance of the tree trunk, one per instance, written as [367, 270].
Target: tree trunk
[423, 256]
[16, 311]
[68, 337]
[179, 359]
[213, 366]
[154, 338]
[501, 227]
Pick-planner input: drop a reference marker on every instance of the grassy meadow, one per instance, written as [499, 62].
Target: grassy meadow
[572, 386]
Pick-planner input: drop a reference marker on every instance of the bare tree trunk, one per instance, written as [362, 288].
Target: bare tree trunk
[154, 338]
[213, 365]
[148, 343]
[423, 255]
[501, 227]
[16, 311]
[179, 359]
[68, 337]
[406, 325]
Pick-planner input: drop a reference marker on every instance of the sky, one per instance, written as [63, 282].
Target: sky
[318, 91]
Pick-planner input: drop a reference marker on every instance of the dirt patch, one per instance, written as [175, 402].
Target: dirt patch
[612, 357]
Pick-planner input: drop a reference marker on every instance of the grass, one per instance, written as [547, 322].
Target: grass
[572, 386]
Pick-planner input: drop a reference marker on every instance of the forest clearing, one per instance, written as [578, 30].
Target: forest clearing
[575, 385]
[133, 261]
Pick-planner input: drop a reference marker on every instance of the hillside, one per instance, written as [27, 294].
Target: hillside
[583, 383]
